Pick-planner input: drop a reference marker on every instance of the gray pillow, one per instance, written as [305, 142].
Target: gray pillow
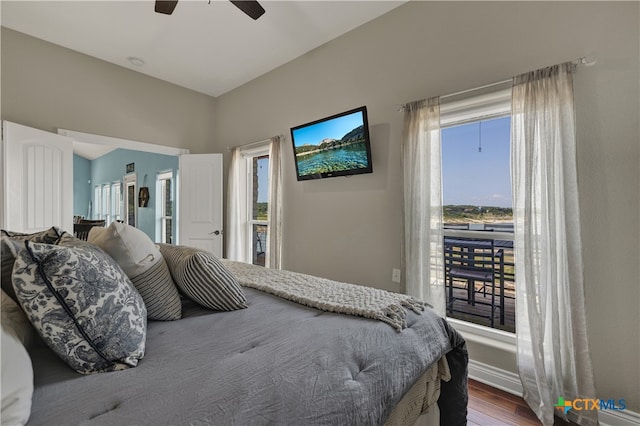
[82, 304]
[8, 255]
[141, 260]
[203, 278]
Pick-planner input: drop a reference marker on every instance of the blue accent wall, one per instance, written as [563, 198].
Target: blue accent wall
[111, 167]
[81, 186]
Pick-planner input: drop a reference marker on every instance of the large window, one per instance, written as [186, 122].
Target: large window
[477, 210]
[107, 202]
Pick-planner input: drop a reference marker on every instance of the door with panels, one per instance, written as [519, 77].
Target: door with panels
[37, 179]
[200, 202]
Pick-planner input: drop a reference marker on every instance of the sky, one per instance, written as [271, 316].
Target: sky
[335, 129]
[263, 180]
[472, 177]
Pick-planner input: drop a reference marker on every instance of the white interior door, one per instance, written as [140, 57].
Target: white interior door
[200, 202]
[38, 179]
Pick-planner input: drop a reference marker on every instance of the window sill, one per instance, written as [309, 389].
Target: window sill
[498, 339]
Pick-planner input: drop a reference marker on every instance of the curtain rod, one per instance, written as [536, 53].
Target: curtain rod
[587, 61]
[248, 145]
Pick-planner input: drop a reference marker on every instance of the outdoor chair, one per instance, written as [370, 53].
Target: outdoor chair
[472, 261]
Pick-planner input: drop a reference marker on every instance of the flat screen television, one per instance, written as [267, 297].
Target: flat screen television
[333, 146]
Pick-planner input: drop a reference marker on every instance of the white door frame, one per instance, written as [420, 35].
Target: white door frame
[121, 143]
[81, 137]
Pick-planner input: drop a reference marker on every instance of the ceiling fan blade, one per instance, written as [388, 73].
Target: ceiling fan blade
[166, 7]
[250, 7]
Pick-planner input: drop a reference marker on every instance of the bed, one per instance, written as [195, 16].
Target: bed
[274, 362]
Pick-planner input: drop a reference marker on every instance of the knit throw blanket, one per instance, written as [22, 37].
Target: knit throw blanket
[327, 295]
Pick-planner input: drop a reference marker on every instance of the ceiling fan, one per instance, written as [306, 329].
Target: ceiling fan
[251, 7]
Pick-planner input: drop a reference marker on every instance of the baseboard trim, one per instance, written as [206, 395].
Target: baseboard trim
[510, 382]
[619, 418]
[495, 377]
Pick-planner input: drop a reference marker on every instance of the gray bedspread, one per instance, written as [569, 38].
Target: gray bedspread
[276, 362]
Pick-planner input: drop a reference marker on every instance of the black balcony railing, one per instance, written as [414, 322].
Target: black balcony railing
[473, 298]
[259, 248]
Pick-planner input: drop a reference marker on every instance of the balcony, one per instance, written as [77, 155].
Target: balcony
[258, 252]
[479, 299]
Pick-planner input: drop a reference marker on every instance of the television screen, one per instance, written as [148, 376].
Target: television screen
[333, 146]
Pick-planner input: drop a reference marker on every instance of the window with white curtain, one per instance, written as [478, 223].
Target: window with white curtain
[254, 207]
[254, 203]
[477, 203]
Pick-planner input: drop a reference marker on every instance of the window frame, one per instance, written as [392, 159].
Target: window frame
[248, 156]
[492, 103]
[107, 202]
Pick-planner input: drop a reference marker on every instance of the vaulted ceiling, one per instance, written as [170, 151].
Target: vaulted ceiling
[210, 47]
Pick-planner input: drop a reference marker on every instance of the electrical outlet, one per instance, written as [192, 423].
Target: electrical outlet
[395, 275]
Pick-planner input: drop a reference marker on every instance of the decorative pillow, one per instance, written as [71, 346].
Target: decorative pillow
[203, 278]
[17, 380]
[141, 260]
[82, 304]
[7, 251]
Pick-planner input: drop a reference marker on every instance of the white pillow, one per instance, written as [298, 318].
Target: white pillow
[17, 380]
[143, 263]
[131, 248]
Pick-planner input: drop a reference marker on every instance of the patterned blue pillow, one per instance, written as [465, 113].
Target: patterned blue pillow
[82, 304]
[49, 236]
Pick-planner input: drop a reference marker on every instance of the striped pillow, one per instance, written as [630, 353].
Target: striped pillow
[203, 278]
[141, 260]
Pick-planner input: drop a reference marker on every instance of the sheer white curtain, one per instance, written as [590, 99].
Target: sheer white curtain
[421, 163]
[552, 347]
[274, 230]
[236, 208]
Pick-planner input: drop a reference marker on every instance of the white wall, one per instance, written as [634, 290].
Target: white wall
[350, 228]
[49, 87]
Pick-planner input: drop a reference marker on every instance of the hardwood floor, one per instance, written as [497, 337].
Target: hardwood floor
[492, 407]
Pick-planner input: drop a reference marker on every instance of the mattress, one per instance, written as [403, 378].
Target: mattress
[422, 397]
